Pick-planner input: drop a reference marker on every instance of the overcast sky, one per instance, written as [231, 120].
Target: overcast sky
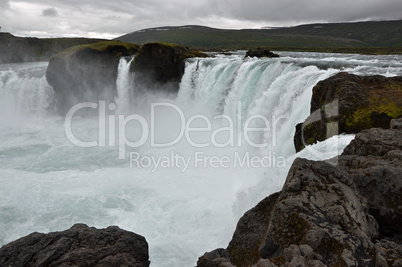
[112, 18]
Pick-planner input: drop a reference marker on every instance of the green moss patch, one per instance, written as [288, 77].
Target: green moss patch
[386, 102]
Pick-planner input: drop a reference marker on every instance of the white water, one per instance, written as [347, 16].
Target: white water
[48, 184]
[123, 85]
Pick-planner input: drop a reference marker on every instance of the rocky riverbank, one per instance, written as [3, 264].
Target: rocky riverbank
[325, 215]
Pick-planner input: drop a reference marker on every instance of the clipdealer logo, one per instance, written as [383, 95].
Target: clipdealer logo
[112, 133]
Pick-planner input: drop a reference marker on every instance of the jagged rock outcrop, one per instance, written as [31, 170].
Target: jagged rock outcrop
[160, 66]
[216, 258]
[87, 73]
[347, 214]
[260, 52]
[78, 246]
[347, 103]
[374, 160]
[15, 49]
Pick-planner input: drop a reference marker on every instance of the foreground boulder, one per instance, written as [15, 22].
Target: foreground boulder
[78, 246]
[260, 52]
[347, 103]
[87, 73]
[160, 66]
[374, 160]
[326, 215]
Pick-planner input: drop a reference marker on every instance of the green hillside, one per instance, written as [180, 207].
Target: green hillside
[330, 35]
[23, 49]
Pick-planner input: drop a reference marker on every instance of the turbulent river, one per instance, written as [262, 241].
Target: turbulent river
[179, 169]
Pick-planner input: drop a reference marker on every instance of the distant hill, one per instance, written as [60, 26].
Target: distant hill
[15, 49]
[329, 35]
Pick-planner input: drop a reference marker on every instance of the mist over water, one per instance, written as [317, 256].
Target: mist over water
[48, 184]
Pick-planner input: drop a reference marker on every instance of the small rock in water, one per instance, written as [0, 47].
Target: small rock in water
[260, 52]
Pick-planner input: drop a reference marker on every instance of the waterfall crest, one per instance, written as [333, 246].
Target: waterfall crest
[234, 86]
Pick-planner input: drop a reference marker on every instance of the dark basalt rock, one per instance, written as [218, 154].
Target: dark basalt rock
[325, 215]
[78, 246]
[87, 73]
[347, 103]
[160, 66]
[215, 258]
[374, 160]
[260, 52]
[250, 233]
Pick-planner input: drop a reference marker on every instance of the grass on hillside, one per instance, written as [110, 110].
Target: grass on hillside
[384, 37]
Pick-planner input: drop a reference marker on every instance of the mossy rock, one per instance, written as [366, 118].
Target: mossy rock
[363, 102]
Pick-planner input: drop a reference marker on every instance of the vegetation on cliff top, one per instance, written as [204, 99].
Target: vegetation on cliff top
[116, 48]
[185, 52]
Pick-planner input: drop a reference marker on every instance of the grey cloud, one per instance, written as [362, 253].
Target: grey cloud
[4, 4]
[122, 16]
[50, 12]
[311, 10]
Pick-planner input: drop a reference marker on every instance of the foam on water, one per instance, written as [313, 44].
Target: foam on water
[48, 184]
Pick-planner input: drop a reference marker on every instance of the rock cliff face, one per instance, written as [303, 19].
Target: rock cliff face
[87, 73]
[347, 103]
[160, 66]
[15, 49]
[78, 246]
[325, 215]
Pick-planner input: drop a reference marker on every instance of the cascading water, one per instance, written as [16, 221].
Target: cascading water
[48, 184]
[123, 85]
[24, 89]
[269, 88]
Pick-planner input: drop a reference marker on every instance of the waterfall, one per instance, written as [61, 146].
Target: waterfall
[276, 90]
[24, 90]
[124, 86]
[48, 183]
